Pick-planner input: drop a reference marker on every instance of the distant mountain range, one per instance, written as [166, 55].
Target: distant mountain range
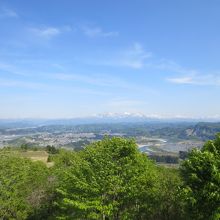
[127, 123]
[125, 117]
[204, 130]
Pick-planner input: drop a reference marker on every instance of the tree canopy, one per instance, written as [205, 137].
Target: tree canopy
[201, 175]
[22, 187]
[110, 179]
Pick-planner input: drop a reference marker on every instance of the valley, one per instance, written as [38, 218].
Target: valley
[151, 137]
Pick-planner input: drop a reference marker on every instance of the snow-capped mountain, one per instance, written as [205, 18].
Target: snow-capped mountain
[125, 117]
[120, 115]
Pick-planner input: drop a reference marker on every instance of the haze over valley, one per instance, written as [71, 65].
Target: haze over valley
[152, 135]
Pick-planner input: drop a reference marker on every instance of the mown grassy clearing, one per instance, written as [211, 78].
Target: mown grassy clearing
[39, 155]
[35, 155]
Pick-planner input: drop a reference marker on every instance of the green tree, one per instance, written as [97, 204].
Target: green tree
[110, 179]
[22, 187]
[52, 149]
[170, 198]
[24, 147]
[201, 174]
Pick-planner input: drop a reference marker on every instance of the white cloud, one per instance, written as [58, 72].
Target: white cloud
[133, 57]
[11, 69]
[98, 32]
[187, 75]
[21, 84]
[30, 85]
[46, 32]
[202, 80]
[101, 80]
[172, 66]
[7, 12]
[181, 80]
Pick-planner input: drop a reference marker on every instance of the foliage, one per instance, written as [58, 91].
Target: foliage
[22, 186]
[201, 174]
[170, 199]
[110, 179]
[52, 149]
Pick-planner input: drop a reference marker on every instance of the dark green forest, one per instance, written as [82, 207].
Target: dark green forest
[112, 180]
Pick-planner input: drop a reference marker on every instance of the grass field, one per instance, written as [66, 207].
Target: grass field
[35, 155]
[39, 155]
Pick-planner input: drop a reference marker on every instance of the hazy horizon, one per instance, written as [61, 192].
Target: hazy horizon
[117, 117]
[70, 59]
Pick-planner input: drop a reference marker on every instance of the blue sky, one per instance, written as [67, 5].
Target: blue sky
[71, 58]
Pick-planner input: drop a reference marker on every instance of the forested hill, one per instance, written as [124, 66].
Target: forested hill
[202, 131]
[169, 130]
[205, 130]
